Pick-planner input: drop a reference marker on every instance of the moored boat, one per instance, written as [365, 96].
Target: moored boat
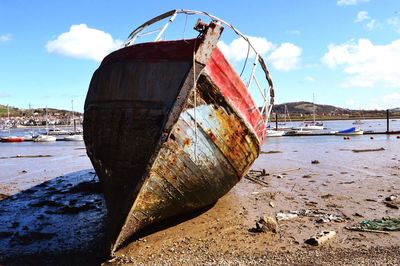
[170, 127]
[75, 137]
[44, 138]
[353, 131]
[275, 133]
[12, 139]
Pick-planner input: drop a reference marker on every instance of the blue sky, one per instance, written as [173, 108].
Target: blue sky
[345, 52]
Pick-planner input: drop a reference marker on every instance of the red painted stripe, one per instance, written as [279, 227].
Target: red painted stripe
[235, 92]
[181, 50]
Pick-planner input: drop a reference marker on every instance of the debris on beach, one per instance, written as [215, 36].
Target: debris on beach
[378, 225]
[265, 224]
[391, 205]
[256, 180]
[280, 216]
[315, 162]
[321, 215]
[368, 150]
[320, 238]
[391, 198]
[392, 201]
[258, 173]
[257, 176]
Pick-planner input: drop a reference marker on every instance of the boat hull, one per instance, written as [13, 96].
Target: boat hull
[350, 132]
[45, 138]
[12, 139]
[161, 143]
[355, 133]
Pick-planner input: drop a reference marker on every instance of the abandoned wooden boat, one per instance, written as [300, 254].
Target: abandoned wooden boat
[170, 127]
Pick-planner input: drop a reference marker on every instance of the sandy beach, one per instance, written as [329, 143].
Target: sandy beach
[324, 181]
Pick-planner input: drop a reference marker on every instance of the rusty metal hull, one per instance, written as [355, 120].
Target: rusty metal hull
[160, 145]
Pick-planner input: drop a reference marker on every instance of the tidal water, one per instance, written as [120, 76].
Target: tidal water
[375, 125]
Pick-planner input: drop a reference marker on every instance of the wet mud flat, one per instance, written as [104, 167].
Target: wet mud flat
[58, 222]
[307, 186]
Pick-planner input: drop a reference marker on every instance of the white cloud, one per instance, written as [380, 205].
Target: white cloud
[350, 2]
[286, 57]
[372, 24]
[237, 49]
[366, 64]
[83, 42]
[5, 37]
[361, 16]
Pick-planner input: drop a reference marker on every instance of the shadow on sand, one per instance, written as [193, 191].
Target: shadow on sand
[59, 222]
[62, 222]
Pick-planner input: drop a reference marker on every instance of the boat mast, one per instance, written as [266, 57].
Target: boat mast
[8, 119]
[313, 107]
[73, 116]
[33, 115]
[47, 124]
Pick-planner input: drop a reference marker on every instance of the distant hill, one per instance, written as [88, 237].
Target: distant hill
[28, 112]
[301, 110]
[306, 108]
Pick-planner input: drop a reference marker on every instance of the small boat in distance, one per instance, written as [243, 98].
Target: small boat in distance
[170, 126]
[75, 137]
[275, 133]
[12, 139]
[311, 125]
[353, 131]
[44, 138]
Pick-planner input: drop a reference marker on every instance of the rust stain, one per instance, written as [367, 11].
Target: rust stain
[186, 142]
[213, 138]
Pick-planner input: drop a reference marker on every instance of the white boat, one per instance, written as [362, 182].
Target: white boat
[287, 123]
[353, 131]
[44, 138]
[73, 138]
[311, 125]
[28, 137]
[275, 133]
